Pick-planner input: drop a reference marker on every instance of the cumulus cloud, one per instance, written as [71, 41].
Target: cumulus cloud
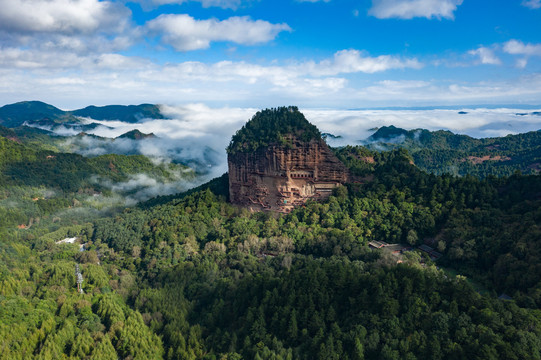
[185, 33]
[516, 47]
[486, 56]
[532, 4]
[521, 63]
[35, 33]
[61, 16]
[408, 9]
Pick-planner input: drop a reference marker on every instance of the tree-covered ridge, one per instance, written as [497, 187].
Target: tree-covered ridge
[32, 137]
[135, 135]
[272, 126]
[36, 184]
[446, 140]
[20, 164]
[201, 279]
[129, 113]
[234, 283]
[477, 225]
[422, 138]
[441, 152]
[17, 114]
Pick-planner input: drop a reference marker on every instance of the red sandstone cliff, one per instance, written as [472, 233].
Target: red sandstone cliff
[280, 177]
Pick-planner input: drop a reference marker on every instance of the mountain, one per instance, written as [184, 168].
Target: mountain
[272, 126]
[22, 165]
[136, 135]
[285, 167]
[42, 114]
[130, 113]
[442, 151]
[330, 136]
[388, 133]
[32, 111]
[37, 179]
[420, 139]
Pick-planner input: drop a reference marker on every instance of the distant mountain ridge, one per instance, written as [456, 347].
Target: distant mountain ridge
[136, 135]
[442, 151]
[14, 115]
[40, 113]
[129, 113]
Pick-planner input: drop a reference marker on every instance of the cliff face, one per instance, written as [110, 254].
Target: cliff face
[280, 177]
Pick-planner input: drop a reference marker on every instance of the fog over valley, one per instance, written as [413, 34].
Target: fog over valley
[197, 135]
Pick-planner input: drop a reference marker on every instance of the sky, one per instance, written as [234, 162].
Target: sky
[317, 54]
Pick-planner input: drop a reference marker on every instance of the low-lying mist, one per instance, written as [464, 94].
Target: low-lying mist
[197, 135]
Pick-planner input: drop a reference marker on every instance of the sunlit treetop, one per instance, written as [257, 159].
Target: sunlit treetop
[272, 126]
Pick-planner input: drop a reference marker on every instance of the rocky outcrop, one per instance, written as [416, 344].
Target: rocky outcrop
[279, 177]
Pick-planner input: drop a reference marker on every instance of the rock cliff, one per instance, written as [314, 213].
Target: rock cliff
[280, 175]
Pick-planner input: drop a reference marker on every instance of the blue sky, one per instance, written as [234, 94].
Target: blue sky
[334, 54]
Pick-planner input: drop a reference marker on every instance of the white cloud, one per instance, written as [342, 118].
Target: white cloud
[354, 61]
[516, 47]
[486, 56]
[521, 63]
[354, 125]
[408, 9]
[308, 78]
[63, 81]
[526, 89]
[224, 4]
[532, 4]
[245, 84]
[69, 80]
[62, 33]
[61, 16]
[55, 59]
[184, 33]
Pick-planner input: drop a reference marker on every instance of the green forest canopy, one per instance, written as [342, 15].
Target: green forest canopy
[271, 126]
[193, 277]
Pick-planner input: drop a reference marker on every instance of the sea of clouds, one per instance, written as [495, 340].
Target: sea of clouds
[197, 135]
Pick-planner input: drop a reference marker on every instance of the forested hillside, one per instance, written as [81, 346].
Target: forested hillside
[272, 126]
[14, 115]
[36, 183]
[442, 152]
[194, 277]
[190, 276]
